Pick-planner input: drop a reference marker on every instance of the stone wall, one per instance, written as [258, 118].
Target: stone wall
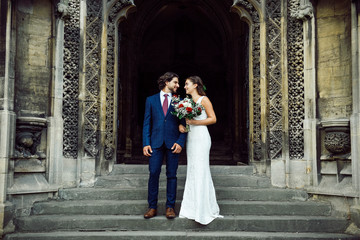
[33, 66]
[33, 54]
[333, 167]
[333, 19]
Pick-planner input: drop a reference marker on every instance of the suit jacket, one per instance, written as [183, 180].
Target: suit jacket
[159, 129]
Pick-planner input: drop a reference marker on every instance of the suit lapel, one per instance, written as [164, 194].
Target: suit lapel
[159, 104]
[169, 109]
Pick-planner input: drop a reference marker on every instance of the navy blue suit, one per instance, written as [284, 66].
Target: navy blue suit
[161, 132]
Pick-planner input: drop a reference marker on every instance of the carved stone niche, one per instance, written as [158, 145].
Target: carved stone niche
[337, 136]
[28, 155]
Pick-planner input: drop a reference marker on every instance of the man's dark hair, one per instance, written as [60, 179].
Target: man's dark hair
[167, 77]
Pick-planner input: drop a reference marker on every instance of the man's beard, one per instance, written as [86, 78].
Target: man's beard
[173, 90]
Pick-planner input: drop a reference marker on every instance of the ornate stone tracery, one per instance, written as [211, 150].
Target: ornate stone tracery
[256, 140]
[71, 81]
[274, 73]
[92, 79]
[295, 81]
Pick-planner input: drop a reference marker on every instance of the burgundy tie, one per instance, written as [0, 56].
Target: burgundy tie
[165, 104]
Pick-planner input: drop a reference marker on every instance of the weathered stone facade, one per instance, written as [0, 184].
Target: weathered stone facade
[74, 74]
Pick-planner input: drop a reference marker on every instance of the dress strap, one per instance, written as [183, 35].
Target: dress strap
[200, 99]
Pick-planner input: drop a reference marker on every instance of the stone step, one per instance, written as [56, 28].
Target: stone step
[140, 193]
[120, 169]
[250, 223]
[138, 207]
[177, 235]
[140, 180]
[217, 157]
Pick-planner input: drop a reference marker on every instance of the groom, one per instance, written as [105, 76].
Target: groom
[161, 137]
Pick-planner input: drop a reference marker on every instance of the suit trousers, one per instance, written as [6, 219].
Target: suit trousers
[155, 163]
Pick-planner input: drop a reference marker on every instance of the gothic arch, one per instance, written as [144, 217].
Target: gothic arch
[208, 8]
[266, 80]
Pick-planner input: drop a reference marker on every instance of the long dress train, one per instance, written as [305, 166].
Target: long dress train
[199, 199]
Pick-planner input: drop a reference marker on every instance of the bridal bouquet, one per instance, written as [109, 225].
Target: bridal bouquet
[186, 108]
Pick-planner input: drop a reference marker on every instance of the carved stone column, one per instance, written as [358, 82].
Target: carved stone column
[55, 140]
[355, 117]
[7, 115]
[305, 13]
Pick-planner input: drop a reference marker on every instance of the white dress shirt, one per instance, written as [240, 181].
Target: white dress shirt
[162, 97]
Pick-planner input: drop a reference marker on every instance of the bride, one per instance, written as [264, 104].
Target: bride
[199, 199]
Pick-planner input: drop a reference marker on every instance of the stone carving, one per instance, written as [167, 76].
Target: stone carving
[295, 82]
[273, 39]
[92, 88]
[28, 136]
[337, 142]
[71, 81]
[256, 141]
[63, 9]
[110, 94]
[337, 136]
[303, 11]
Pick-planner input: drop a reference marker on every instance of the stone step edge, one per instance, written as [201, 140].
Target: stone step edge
[180, 175]
[163, 218]
[93, 207]
[94, 202]
[181, 188]
[163, 188]
[138, 223]
[145, 168]
[160, 234]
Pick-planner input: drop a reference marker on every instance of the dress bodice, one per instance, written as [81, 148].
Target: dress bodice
[203, 114]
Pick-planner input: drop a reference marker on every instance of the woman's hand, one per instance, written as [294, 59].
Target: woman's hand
[190, 121]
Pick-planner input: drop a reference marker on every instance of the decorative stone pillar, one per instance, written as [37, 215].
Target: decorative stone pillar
[55, 126]
[305, 13]
[7, 115]
[355, 117]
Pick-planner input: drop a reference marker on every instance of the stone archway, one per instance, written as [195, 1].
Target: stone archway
[190, 39]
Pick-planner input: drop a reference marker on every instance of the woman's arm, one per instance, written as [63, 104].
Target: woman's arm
[211, 117]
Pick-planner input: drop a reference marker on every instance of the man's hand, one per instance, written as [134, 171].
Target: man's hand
[177, 148]
[182, 129]
[147, 151]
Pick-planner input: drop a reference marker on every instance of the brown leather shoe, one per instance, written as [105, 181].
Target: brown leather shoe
[150, 213]
[170, 213]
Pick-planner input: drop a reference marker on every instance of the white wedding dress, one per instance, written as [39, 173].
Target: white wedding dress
[199, 199]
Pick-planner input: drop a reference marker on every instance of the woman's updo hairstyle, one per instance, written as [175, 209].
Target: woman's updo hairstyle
[200, 85]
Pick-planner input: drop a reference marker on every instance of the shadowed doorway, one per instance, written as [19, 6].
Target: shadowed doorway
[188, 39]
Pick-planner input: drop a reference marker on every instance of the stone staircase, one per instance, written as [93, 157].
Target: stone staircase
[221, 153]
[114, 209]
